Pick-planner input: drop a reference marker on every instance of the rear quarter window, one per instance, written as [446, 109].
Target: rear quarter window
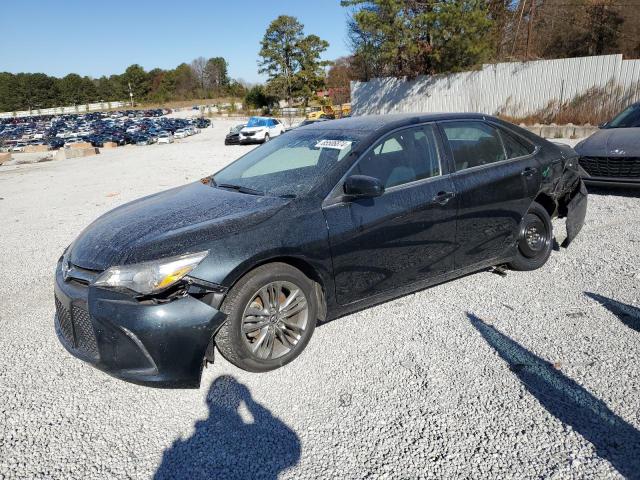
[514, 145]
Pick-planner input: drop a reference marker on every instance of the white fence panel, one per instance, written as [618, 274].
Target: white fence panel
[515, 88]
[90, 107]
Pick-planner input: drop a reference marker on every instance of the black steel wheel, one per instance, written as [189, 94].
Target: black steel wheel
[535, 240]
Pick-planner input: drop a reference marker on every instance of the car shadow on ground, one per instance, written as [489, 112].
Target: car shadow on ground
[225, 445]
[613, 438]
[628, 314]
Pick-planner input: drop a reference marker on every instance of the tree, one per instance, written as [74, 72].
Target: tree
[365, 61]
[35, 90]
[76, 90]
[560, 29]
[256, 97]
[412, 37]
[339, 79]
[109, 88]
[184, 81]
[291, 60]
[217, 76]
[311, 76]
[137, 79]
[198, 66]
[237, 89]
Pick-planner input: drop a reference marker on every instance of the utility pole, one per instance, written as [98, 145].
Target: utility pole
[130, 94]
[532, 14]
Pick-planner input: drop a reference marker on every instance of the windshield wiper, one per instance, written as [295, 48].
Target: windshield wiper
[240, 188]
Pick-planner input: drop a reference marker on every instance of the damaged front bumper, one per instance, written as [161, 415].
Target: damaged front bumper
[574, 208]
[144, 342]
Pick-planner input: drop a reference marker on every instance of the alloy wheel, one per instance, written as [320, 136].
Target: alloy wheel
[275, 319]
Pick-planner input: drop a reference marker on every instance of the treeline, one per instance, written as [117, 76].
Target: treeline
[399, 38]
[202, 78]
[414, 37]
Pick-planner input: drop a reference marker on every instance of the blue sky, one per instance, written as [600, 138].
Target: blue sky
[103, 37]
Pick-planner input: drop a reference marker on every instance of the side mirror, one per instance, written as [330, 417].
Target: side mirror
[363, 186]
[603, 125]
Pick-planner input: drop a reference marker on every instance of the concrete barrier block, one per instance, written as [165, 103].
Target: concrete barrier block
[565, 131]
[537, 129]
[5, 157]
[65, 153]
[584, 131]
[80, 145]
[551, 131]
[109, 145]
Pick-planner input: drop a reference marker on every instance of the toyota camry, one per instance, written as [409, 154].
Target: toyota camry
[326, 220]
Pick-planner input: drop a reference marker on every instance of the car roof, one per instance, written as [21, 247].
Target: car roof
[389, 122]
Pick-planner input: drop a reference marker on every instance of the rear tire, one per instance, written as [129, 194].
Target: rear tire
[271, 314]
[535, 240]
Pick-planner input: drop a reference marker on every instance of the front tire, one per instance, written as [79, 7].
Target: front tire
[271, 315]
[535, 240]
[266, 138]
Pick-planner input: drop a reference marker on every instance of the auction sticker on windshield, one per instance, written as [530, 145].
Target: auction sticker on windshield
[337, 144]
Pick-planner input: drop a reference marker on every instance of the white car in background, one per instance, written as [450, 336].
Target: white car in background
[180, 133]
[165, 137]
[261, 130]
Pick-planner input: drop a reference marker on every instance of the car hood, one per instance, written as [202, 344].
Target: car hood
[172, 222]
[252, 129]
[608, 142]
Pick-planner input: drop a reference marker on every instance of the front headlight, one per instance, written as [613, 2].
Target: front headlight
[150, 277]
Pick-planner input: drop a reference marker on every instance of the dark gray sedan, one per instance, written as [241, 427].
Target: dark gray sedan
[611, 156]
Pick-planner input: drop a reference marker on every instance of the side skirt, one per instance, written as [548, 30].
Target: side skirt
[337, 311]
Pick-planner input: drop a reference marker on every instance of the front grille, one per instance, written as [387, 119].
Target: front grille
[64, 320]
[83, 328]
[77, 329]
[248, 134]
[622, 167]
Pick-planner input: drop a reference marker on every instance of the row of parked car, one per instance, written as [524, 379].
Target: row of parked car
[139, 127]
[261, 130]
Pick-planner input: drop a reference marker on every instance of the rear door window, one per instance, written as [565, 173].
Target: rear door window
[473, 144]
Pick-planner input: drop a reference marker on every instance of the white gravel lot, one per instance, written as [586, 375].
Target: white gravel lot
[525, 376]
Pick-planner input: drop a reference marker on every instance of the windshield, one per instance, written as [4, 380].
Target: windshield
[628, 118]
[257, 122]
[291, 164]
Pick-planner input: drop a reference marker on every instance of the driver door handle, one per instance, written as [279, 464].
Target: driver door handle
[442, 198]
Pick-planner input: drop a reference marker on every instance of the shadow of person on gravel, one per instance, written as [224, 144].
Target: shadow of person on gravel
[614, 439]
[628, 314]
[226, 446]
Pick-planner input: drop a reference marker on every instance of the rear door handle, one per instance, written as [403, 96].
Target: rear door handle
[527, 172]
[442, 198]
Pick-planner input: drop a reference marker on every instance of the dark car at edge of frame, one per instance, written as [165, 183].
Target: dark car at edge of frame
[611, 156]
[321, 222]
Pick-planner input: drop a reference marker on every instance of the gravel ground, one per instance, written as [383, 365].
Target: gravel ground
[525, 376]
